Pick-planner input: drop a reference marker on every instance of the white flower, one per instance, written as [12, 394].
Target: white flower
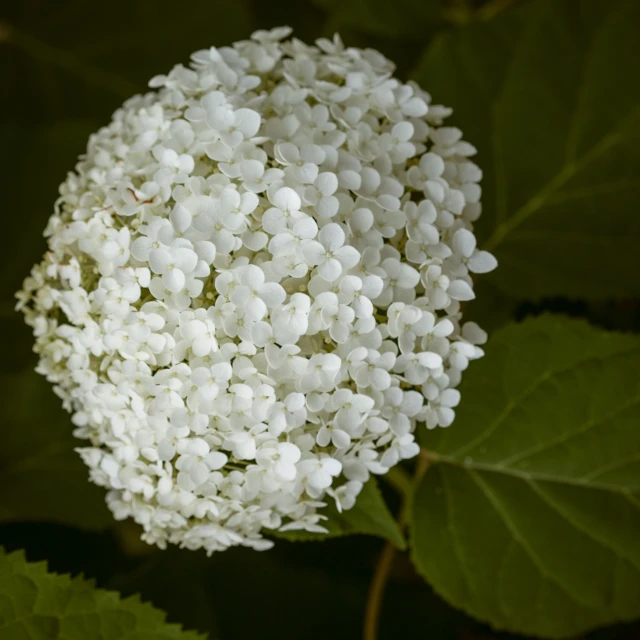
[346, 495]
[400, 407]
[284, 213]
[440, 411]
[304, 160]
[321, 372]
[290, 241]
[282, 457]
[319, 471]
[370, 368]
[464, 249]
[174, 264]
[253, 294]
[321, 196]
[329, 253]
[397, 142]
[251, 297]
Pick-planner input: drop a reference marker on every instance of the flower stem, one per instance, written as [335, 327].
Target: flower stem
[376, 591]
[387, 556]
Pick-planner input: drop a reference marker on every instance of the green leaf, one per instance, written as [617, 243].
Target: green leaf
[543, 92]
[41, 476]
[528, 517]
[404, 18]
[369, 516]
[36, 604]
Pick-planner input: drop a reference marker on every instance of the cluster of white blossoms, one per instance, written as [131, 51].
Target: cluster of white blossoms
[252, 290]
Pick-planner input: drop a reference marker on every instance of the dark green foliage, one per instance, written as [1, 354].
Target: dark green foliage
[370, 515]
[39, 605]
[528, 515]
[545, 93]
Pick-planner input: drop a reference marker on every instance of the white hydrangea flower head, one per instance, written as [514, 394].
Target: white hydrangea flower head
[251, 297]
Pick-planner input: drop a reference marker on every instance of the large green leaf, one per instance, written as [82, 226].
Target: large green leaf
[41, 476]
[529, 515]
[544, 92]
[370, 515]
[39, 605]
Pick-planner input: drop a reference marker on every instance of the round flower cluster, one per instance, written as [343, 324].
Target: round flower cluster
[252, 290]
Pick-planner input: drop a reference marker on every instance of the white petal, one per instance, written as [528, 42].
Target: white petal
[287, 152]
[247, 121]
[159, 259]
[251, 170]
[285, 470]
[306, 228]
[320, 479]
[349, 180]
[254, 308]
[180, 218]
[331, 236]
[482, 262]
[460, 290]
[330, 269]
[327, 183]
[324, 437]
[313, 252]
[464, 242]
[380, 379]
[328, 207]
[388, 202]
[332, 466]
[340, 438]
[216, 460]
[185, 259]
[174, 280]
[431, 165]
[307, 173]
[250, 276]
[272, 294]
[348, 257]
[287, 199]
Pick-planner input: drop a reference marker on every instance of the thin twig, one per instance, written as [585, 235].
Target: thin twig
[388, 554]
[376, 591]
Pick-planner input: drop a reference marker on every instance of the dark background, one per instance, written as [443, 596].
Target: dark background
[64, 67]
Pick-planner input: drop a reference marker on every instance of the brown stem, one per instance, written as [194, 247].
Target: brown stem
[387, 557]
[376, 591]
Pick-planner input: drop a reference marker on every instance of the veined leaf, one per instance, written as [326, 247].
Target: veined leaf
[529, 515]
[39, 605]
[370, 515]
[544, 93]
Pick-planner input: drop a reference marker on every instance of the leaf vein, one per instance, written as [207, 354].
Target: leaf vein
[538, 200]
[587, 531]
[457, 548]
[562, 438]
[514, 402]
[521, 540]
